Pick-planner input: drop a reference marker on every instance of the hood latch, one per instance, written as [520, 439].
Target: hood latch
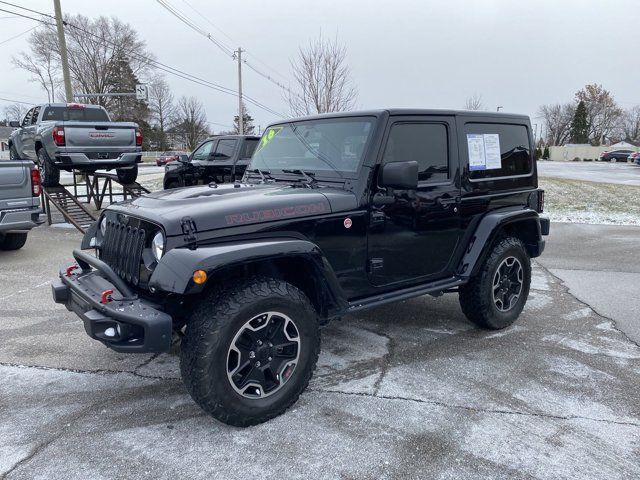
[189, 231]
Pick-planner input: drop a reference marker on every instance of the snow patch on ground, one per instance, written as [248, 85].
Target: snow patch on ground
[594, 218]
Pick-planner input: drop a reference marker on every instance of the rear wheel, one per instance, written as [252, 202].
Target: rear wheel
[127, 175]
[49, 173]
[495, 297]
[13, 241]
[249, 351]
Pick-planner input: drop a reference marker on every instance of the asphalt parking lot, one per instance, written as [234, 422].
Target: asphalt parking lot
[411, 390]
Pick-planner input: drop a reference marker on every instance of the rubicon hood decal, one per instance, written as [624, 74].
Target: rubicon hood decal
[277, 213]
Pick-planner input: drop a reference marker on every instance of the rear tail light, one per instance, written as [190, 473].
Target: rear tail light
[138, 138]
[75, 105]
[36, 184]
[58, 136]
[536, 201]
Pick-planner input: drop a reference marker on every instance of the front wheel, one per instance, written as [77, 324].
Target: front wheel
[13, 153]
[249, 351]
[496, 295]
[127, 175]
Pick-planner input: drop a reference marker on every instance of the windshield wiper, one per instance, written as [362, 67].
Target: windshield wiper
[264, 174]
[308, 176]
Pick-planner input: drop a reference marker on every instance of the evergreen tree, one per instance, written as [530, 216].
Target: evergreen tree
[247, 121]
[538, 153]
[580, 124]
[545, 154]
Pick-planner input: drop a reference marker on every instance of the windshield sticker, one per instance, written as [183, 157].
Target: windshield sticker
[268, 136]
[484, 151]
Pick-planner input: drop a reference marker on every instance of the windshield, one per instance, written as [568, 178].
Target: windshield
[333, 146]
[74, 113]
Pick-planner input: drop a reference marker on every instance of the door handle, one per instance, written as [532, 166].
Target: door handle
[446, 201]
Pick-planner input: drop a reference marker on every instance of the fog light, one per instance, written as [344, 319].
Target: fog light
[199, 277]
[110, 332]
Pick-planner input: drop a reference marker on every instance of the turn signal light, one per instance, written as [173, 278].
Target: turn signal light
[36, 184]
[58, 136]
[199, 277]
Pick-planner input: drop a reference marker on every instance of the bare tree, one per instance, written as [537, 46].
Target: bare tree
[161, 107]
[474, 102]
[15, 111]
[322, 78]
[42, 64]
[96, 49]
[603, 114]
[557, 122]
[630, 125]
[191, 122]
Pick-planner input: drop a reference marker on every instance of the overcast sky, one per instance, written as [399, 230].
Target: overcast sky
[428, 54]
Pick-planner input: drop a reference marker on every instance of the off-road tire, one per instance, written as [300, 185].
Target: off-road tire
[49, 173]
[476, 297]
[13, 153]
[13, 241]
[127, 176]
[212, 327]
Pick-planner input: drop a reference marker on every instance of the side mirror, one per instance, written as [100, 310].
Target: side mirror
[400, 175]
[182, 158]
[14, 124]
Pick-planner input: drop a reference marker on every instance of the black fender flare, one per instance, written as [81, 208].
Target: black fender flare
[174, 271]
[487, 230]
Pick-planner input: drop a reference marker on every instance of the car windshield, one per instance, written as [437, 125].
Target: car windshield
[331, 146]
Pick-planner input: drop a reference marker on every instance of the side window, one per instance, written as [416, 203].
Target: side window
[26, 121]
[225, 150]
[248, 147]
[203, 151]
[34, 115]
[497, 150]
[425, 143]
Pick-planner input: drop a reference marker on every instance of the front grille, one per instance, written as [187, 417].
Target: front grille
[122, 248]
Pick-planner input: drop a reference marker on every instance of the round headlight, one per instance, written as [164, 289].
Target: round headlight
[103, 225]
[157, 245]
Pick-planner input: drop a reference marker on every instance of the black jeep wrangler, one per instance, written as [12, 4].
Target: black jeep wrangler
[220, 159]
[335, 214]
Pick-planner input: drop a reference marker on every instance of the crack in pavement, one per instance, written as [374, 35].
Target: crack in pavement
[567, 290]
[89, 372]
[477, 409]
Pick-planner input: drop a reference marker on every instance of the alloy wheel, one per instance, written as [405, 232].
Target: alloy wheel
[263, 355]
[507, 284]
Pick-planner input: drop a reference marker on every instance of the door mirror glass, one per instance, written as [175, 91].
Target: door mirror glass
[183, 158]
[400, 175]
[14, 124]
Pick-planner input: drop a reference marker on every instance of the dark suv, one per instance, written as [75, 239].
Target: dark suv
[335, 214]
[220, 159]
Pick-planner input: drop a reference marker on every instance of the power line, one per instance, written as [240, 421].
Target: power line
[16, 36]
[157, 64]
[16, 101]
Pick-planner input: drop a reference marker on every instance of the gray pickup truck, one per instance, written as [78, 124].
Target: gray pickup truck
[19, 202]
[76, 137]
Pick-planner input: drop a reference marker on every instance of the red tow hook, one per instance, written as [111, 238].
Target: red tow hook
[71, 268]
[106, 297]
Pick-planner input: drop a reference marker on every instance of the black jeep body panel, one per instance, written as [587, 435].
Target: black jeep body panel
[345, 241]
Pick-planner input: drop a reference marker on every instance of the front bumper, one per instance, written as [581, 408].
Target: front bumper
[125, 323]
[20, 219]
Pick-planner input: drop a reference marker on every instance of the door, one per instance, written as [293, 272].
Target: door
[413, 236]
[29, 133]
[221, 165]
[24, 149]
[196, 169]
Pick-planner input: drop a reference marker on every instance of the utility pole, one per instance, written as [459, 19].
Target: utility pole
[63, 51]
[240, 109]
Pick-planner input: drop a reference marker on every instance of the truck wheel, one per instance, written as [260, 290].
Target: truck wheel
[13, 241]
[249, 351]
[13, 153]
[128, 175]
[49, 173]
[495, 297]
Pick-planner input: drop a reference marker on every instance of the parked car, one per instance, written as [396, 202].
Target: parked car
[633, 157]
[615, 156]
[220, 159]
[20, 190]
[79, 137]
[166, 157]
[335, 214]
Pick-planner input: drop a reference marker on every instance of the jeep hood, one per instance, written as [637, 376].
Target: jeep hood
[234, 205]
